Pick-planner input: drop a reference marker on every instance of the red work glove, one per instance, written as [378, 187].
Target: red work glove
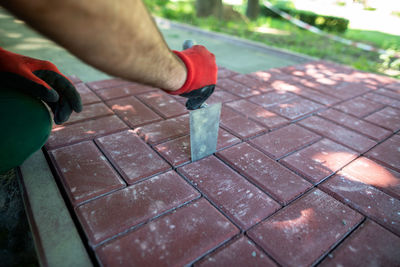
[40, 79]
[201, 75]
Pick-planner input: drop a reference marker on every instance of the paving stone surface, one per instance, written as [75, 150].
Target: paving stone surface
[232, 193]
[388, 118]
[85, 172]
[123, 91]
[281, 142]
[387, 152]
[133, 112]
[272, 177]
[338, 133]
[359, 107]
[293, 235]
[131, 156]
[370, 245]
[307, 171]
[177, 151]
[108, 216]
[173, 240]
[367, 199]
[240, 252]
[361, 126]
[320, 160]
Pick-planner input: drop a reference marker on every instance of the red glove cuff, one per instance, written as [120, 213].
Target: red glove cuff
[201, 69]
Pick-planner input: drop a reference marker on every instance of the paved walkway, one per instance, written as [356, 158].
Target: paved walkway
[307, 172]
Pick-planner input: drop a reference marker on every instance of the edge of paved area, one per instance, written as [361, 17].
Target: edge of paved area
[57, 241]
[300, 58]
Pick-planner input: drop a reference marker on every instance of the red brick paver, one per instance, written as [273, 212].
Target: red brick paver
[306, 171]
[303, 232]
[232, 193]
[366, 128]
[365, 198]
[359, 107]
[285, 140]
[107, 216]
[320, 160]
[272, 177]
[388, 118]
[86, 130]
[85, 172]
[241, 252]
[388, 152]
[133, 112]
[177, 151]
[131, 156]
[173, 240]
[338, 133]
[369, 245]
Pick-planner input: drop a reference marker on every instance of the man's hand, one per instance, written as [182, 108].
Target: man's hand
[40, 79]
[201, 75]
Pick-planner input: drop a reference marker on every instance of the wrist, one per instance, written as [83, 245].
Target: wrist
[178, 76]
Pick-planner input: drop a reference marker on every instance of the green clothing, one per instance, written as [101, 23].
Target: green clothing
[25, 126]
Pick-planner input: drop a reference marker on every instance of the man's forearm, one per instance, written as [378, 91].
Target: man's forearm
[118, 37]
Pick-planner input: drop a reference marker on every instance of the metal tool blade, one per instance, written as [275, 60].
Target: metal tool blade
[204, 125]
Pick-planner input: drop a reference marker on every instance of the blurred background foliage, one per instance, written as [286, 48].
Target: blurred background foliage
[250, 19]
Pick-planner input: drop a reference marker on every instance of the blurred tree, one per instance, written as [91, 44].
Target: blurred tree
[205, 8]
[253, 8]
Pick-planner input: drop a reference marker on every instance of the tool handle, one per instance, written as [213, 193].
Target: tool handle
[187, 44]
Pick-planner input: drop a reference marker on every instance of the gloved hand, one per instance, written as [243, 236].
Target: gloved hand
[201, 75]
[40, 79]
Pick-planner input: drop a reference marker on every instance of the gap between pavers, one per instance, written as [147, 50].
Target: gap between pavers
[57, 241]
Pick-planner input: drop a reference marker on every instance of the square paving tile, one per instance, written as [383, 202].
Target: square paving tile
[359, 107]
[388, 118]
[244, 203]
[258, 114]
[301, 233]
[177, 151]
[366, 128]
[85, 172]
[387, 152]
[369, 245]
[365, 198]
[320, 160]
[240, 252]
[131, 156]
[338, 133]
[282, 184]
[115, 213]
[225, 73]
[133, 112]
[285, 140]
[176, 239]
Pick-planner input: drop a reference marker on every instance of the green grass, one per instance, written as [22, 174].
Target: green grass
[293, 38]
